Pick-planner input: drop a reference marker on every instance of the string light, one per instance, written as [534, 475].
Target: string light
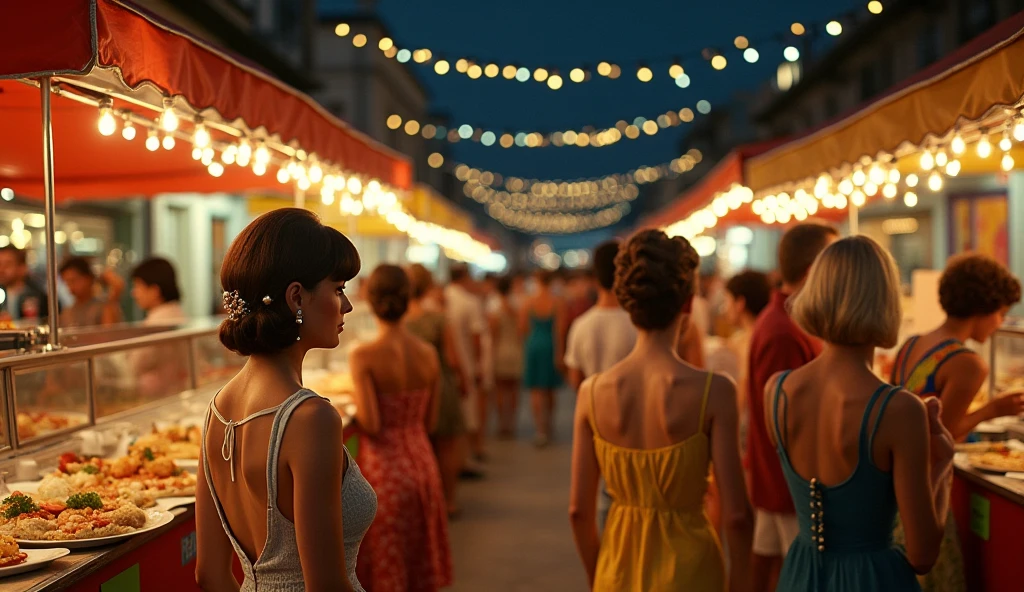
[168, 142]
[875, 7]
[719, 62]
[200, 136]
[342, 29]
[359, 40]
[910, 199]
[152, 142]
[927, 160]
[555, 82]
[168, 119]
[750, 55]
[1005, 144]
[791, 54]
[644, 74]
[957, 145]
[1007, 162]
[935, 181]
[491, 70]
[441, 67]
[797, 29]
[107, 123]
[834, 28]
[128, 131]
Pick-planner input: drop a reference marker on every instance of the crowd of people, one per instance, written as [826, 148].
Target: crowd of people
[785, 470]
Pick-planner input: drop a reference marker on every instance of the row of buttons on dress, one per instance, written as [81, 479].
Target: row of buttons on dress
[817, 517]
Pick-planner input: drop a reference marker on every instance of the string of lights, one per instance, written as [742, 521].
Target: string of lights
[557, 223]
[588, 136]
[529, 201]
[221, 146]
[552, 77]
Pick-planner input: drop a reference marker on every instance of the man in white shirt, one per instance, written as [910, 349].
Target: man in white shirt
[468, 325]
[600, 338]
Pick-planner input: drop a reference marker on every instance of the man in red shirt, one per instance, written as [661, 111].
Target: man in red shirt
[777, 344]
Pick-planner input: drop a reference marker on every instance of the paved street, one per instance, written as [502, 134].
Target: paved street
[514, 535]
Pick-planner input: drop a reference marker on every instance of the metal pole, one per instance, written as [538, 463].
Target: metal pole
[51, 215]
[300, 197]
[854, 220]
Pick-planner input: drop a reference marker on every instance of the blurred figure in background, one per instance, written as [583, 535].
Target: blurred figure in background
[89, 309]
[746, 295]
[543, 353]
[449, 437]
[518, 296]
[602, 337]
[24, 299]
[468, 325]
[155, 290]
[508, 358]
[397, 380]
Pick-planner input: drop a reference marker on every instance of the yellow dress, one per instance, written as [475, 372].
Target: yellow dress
[658, 537]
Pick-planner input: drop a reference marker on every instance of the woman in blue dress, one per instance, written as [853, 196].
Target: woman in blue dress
[855, 450]
[541, 320]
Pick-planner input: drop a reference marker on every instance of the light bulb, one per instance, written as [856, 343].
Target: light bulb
[1018, 130]
[1005, 144]
[1007, 162]
[316, 174]
[216, 169]
[876, 174]
[953, 168]
[927, 160]
[128, 131]
[870, 189]
[846, 187]
[355, 186]
[197, 153]
[168, 142]
[859, 178]
[303, 183]
[911, 180]
[262, 154]
[941, 158]
[208, 155]
[910, 199]
[244, 152]
[858, 198]
[984, 147]
[958, 146]
[107, 122]
[889, 191]
[282, 175]
[935, 181]
[326, 196]
[152, 142]
[229, 155]
[201, 137]
[259, 169]
[168, 121]
[894, 175]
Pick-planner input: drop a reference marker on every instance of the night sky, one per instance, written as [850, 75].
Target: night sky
[561, 34]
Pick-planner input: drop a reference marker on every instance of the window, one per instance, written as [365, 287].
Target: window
[975, 17]
[928, 46]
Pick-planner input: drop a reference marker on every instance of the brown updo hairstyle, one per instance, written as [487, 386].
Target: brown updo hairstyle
[655, 278]
[420, 281]
[278, 248]
[388, 292]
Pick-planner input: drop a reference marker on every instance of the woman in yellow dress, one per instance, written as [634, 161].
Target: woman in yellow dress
[651, 425]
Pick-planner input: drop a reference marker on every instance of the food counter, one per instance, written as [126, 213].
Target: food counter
[988, 504]
[106, 401]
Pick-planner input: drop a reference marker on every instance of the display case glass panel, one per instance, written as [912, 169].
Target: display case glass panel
[214, 362]
[125, 380]
[1008, 359]
[51, 399]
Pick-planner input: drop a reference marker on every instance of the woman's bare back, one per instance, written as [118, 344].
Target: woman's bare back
[400, 362]
[646, 405]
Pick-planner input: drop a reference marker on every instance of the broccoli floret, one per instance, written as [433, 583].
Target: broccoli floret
[18, 504]
[80, 501]
[90, 469]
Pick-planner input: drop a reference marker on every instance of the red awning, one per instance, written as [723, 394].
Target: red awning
[98, 48]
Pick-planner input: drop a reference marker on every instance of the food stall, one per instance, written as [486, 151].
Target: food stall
[957, 122]
[98, 428]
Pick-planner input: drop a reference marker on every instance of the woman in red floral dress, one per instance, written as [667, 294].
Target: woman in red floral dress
[397, 380]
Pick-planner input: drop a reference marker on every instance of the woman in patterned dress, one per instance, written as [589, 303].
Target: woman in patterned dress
[397, 380]
[976, 292]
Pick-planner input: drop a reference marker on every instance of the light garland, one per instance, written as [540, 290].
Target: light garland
[355, 193]
[513, 70]
[557, 203]
[586, 137]
[853, 185]
[557, 223]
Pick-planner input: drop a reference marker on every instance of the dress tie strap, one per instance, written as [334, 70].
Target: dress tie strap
[227, 448]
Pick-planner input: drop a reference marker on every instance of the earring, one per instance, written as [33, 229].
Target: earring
[298, 321]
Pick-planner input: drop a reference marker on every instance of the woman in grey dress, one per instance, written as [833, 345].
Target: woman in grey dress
[277, 488]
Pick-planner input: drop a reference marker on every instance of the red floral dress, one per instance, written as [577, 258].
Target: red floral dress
[406, 548]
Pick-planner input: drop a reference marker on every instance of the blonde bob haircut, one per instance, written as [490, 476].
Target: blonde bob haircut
[852, 295]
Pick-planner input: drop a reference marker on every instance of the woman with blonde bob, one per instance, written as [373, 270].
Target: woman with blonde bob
[856, 450]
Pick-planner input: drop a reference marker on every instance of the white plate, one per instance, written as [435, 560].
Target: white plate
[187, 463]
[155, 519]
[168, 503]
[24, 486]
[37, 558]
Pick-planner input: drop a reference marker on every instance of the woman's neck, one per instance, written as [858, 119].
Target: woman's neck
[415, 308]
[658, 342]
[287, 364]
[860, 356]
[389, 327]
[959, 329]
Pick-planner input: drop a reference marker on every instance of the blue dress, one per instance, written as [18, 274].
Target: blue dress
[845, 542]
[539, 370]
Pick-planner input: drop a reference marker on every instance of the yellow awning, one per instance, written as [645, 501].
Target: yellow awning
[984, 74]
[368, 225]
[427, 206]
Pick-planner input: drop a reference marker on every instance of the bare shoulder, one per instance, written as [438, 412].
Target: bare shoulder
[904, 409]
[316, 414]
[772, 385]
[313, 423]
[722, 394]
[967, 363]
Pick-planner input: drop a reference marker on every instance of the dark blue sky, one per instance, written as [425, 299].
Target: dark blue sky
[562, 34]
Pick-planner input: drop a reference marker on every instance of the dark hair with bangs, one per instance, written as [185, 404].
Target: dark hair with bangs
[278, 248]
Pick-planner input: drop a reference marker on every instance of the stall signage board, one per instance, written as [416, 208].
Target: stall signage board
[980, 514]
[126, 581]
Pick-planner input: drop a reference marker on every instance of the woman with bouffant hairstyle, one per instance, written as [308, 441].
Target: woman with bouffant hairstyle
[651, 425]
[855, 450]
[261, 492]
[397, 379]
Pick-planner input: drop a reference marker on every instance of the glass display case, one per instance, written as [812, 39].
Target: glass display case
[1007, 358]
